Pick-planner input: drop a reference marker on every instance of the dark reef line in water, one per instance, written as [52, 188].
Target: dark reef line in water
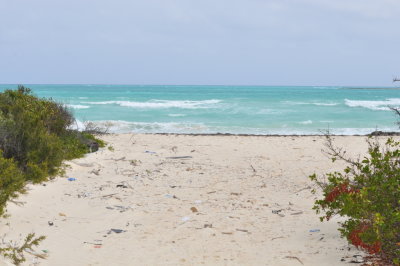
[374, 133]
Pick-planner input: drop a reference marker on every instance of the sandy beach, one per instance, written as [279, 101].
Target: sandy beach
[185, 200]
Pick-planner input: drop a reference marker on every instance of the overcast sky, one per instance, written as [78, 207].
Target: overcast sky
[263, 42]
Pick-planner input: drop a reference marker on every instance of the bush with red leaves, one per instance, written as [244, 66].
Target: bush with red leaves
[367, 194]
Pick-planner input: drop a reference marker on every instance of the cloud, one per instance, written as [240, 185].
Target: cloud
[208, 41]
[365, 8]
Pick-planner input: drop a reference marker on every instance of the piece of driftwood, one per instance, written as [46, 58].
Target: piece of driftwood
[297, 213]
[179, 157]
[307, 187]
[294, 258]
[243, 230]
[105, 196]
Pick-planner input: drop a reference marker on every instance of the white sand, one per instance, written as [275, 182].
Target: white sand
[234, 182]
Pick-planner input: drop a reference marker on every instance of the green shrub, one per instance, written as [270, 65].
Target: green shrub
[11, 181]
[16, 253]
[35, 138]
[367, 194]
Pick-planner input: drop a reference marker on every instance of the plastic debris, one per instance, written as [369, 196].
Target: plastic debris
[151, 152]
[84, 195]
[276, 211]
[314, 230]
[50, 223]
[71, 179]
[185, 218]
[198, 201]
[117, 231]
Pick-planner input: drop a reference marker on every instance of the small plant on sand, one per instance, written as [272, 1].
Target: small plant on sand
[367, 194]
[16, 253]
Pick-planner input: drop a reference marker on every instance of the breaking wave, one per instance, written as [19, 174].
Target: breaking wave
[164, 104]
[78, 106]
[374, 105]
[119, 126]
[311, 103]
[307, 122]
[176, 115]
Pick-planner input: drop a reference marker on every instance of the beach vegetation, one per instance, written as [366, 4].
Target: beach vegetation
[35, 138]
[95, 128]
[367, 194]
[16, 253]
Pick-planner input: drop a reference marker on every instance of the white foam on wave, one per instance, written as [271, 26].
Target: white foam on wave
[118, 126]
[266, 112]
[307, 122]
[78, 125]
[78, 106]
[374, 105]
[311, 103]
[325, 104]
[163, 104]
[176, 115]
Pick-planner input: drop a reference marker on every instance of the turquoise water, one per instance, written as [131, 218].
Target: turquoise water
[227, 109]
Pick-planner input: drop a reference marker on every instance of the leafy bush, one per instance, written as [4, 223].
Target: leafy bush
[34, 139]
[367, 193]
[11, 181]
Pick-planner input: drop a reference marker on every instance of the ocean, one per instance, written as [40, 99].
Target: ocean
[261, 110]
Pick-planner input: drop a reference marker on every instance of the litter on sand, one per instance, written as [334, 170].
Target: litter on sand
[185, 219]
[71, 179]
[180, 157]
[118, 231]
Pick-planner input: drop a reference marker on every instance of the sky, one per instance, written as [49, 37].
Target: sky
[227, 42]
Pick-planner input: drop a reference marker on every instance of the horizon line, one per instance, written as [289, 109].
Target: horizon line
[239, 85]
